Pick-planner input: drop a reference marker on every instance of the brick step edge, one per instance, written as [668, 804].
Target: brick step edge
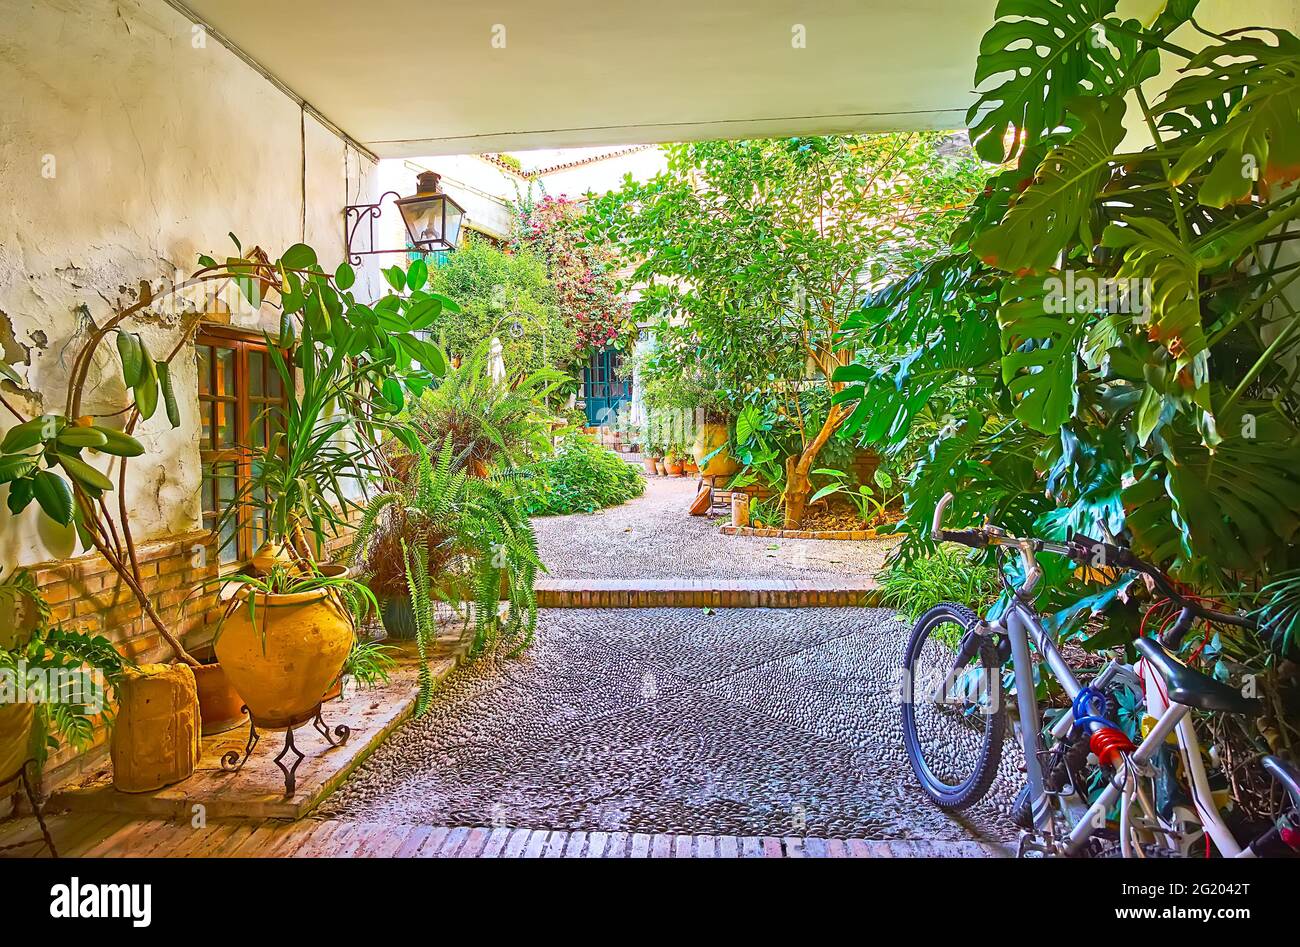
[507, 842]
[840, 534]
[688, 594]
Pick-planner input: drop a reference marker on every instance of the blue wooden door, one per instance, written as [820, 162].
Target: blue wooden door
[603, 389]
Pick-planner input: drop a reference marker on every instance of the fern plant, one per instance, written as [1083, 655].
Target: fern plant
[440, 535]
[64, 660]
[490, 425]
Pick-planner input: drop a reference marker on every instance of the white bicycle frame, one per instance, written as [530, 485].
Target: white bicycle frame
[1021, 625]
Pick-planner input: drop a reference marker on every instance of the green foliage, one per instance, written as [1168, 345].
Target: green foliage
[36, 645]
[506, 296]
[370, 662]
[914, 586]
[462, 539]
[754, 253]
[1043, 53]
[1107, 334]
[490, 425]
[582, 477]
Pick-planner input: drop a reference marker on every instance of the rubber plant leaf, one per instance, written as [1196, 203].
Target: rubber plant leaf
[54, 496]
[170, 403]
[131, 350]
[146, 390]
[84, 473]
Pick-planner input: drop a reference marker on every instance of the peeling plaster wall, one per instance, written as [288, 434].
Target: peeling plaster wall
[130, 144]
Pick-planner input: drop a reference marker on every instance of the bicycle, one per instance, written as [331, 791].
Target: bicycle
[1138, 805]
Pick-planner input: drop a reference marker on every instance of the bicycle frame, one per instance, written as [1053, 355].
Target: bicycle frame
[1022, 627]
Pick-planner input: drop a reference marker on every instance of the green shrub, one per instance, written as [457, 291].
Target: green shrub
[581, 477]
[949, 575]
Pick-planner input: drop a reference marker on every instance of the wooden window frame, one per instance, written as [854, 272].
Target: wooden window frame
[246, 408]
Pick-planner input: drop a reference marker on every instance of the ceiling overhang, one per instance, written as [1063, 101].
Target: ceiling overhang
[407, 78]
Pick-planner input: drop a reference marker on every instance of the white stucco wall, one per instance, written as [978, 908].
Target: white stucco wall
[129, 145]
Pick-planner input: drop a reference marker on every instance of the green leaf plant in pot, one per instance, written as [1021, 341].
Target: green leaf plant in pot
[438, 534]
[54, 682]
[290, 625]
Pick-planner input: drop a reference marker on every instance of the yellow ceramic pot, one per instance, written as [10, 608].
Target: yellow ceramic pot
[283, 665]
[709, 439]
[15, 736]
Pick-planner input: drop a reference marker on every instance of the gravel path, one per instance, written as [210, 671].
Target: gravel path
[653, 537]
[740, 721]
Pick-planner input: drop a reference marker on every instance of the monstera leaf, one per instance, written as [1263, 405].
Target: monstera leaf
[1156, 259]
[1234, 506]
[1045, 52]
[1041, 328]
[1049, 212]
[1259, 142]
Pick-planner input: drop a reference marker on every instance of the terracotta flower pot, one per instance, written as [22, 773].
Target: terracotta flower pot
[691, 467]
[651, 465]
[675, 467]
[661, 467]
[284, 678]
[220, 706]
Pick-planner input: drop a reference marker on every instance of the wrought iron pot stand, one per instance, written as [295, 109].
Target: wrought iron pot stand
[35, 803]
[232, 762]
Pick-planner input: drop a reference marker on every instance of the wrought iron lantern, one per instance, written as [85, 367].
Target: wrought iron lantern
[433, 220]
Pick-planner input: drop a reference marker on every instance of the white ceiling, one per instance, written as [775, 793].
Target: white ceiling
[409, 78]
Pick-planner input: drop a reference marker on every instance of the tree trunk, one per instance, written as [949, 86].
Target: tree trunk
[798, 470]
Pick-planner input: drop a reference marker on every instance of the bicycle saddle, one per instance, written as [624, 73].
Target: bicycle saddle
[1192, 688]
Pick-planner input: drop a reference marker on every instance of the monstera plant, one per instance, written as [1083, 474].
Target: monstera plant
[1114, 330]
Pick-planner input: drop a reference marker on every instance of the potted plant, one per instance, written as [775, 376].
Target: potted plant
[674, 460]
[290, 624]
[654, 455]
[710, 450]
[437, 534]
[63, 679]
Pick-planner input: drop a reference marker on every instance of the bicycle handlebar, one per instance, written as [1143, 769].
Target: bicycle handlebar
[1090, 552]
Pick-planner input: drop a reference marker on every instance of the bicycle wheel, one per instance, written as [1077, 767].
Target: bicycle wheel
[953, 718]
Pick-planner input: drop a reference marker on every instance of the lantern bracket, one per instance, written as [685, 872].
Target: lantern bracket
[354, 215]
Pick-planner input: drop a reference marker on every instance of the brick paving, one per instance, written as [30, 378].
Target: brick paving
[79, 836]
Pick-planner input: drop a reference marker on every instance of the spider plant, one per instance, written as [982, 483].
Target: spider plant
[299, 479]
[370, 663]
[354, 597]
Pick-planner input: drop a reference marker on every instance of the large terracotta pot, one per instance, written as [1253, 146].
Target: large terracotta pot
[15, 736]
[709, 439]
[220, 706]
[283, 679]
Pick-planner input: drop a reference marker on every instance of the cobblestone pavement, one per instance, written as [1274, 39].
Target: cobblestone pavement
[740, 722]
[652, 537]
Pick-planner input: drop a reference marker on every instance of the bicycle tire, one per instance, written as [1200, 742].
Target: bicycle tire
[962, 795]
